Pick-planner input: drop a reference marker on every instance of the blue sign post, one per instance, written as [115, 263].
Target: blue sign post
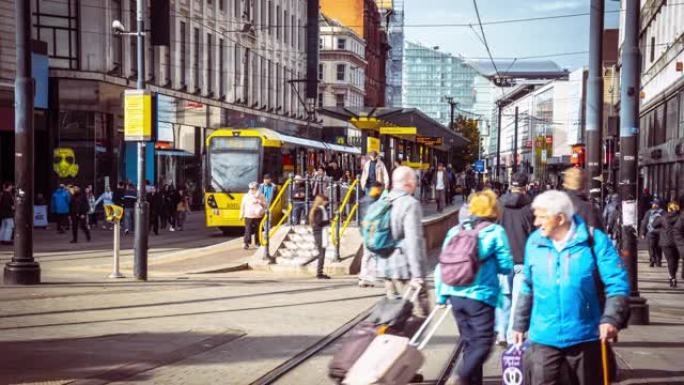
[479, 166]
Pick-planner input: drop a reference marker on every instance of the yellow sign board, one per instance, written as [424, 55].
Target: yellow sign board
[137, 116]
[385, 4]
[373, 144]
[398, 130]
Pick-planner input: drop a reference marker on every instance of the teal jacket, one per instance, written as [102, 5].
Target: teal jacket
[559, 303]
[496, 258]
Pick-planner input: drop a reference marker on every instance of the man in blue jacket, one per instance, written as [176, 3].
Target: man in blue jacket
[560, 305]
[60, 202]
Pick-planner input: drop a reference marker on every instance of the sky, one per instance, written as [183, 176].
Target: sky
[516, 40]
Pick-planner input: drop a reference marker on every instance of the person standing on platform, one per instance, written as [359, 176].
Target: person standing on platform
[440, 182]
[574, 183]
[666, 227]
[318, 220]
[60, 202]
[374, 170]
[78, 210]
[6, 213]
[182, 209]
[649, 232]
[252, 209]
[268, 189]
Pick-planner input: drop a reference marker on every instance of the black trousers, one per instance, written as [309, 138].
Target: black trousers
[251, 228]
[672, 257]
[318, 238]
[440, 197]
[62, 222]
[475, 321]
[154, 223]
[680, 249]
[576, 365]
[655, 253]
[77, 221]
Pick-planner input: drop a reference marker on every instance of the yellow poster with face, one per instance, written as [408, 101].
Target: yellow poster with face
[64, 162]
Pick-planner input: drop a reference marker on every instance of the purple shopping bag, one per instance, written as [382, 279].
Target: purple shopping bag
[512, 365]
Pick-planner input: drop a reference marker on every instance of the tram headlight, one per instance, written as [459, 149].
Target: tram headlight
[211, 201]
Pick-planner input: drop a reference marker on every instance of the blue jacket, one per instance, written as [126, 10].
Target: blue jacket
[496, 258]
[559, 302]
[269, 192]
[60, 201]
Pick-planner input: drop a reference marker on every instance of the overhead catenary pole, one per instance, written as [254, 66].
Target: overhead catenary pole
[141, 207]
[498, 143]
[515, 142]
[452, 109]
[23, 269]
[629, 129]
[594, 102]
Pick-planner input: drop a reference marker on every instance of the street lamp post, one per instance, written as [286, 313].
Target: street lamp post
[141, 207]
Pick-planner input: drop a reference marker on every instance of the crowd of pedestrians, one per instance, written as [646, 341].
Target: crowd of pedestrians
[542, 256]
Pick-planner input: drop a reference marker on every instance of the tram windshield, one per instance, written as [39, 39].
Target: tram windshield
[233, 163]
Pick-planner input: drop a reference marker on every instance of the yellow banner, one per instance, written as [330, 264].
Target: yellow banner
[398, 130]
[137, 115]
[373, 144]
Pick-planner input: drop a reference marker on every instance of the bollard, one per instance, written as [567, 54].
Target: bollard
[331, 197]
[117, 245]
[267, 229]
[290, 201]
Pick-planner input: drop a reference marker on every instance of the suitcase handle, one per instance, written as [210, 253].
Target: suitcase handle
[407, 294]
[432, 331]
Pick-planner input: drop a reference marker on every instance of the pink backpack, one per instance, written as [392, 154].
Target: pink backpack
[459, 262]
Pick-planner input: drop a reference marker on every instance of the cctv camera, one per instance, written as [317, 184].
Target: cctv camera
[118, 27]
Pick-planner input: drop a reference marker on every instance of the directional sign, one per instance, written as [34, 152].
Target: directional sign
[479, 165]
[430, 140]
[398, 130]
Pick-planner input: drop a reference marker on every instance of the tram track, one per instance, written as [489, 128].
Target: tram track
[288, 367]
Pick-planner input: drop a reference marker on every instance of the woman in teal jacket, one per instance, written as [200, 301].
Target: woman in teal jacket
[473, 305]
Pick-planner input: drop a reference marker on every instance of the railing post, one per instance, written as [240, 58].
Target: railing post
[331, 197]
[358, 202]
[267, 237]
[290, 200]
[337, 236]
[307, 195]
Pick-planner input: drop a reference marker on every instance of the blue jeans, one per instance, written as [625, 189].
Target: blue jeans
[503, 308]
[128, 222]
[476, 326]
[298, 211]
[6, 229]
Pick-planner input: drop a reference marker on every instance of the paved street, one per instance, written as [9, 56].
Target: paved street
[231, 328]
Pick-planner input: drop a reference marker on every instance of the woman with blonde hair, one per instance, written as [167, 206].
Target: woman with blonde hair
[318, 219]
[665, 225]
[473, 305]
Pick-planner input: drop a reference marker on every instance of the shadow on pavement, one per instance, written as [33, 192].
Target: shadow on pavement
[651, 374]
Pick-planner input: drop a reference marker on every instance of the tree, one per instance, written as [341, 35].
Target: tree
[468, 154]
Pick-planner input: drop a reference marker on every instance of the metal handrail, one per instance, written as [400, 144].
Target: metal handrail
[335, 222]
[277, 199]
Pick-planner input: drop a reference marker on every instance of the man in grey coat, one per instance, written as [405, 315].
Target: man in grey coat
[407, 265]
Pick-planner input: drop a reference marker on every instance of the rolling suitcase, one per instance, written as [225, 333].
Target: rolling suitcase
[393, 360]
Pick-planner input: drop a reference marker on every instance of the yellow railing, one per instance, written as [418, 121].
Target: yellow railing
[335, 222]
[276, 203]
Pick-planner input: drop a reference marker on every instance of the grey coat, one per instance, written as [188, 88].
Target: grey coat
[409, 260]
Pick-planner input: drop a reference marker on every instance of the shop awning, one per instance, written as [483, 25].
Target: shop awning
[345, 149]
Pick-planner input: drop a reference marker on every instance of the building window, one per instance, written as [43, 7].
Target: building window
[197, 45]
[222, 70]
[341, 69]
[263, 14]
[652, 50]
[339, 100]
[293, 34]
[278, 22]
[183, 54]
[286, 33]
[237, 9]
[320, 99]
[321, 69]
[117, 41]
[341, 43]
[222, 4]
[270, 17]
[320, 43]
[672, 119]
[169, 67]
[56, 24]
[210, 64]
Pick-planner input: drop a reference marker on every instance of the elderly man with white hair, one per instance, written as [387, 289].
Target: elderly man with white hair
[407, 264]
[561, 307]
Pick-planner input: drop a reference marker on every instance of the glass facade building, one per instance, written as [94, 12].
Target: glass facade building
[430, 75]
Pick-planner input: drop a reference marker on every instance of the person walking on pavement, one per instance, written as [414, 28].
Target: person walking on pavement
[171, 200]
[268, 189]
[129, 199]
[60, 207]
[406, 266]
[451, 192]
[298, 200]
[252, 209]
[78, 211]
[678, 235]
[182, 209]
[374, 170]
[440, 182]
[92, 215]
[665, 225]
[517, 220]
[318, 219]
[473, 305]
[367, 275]
[611, 215]
[574, 183]
[154, 198]
[6, 213]
[564, 317]
[649, 232]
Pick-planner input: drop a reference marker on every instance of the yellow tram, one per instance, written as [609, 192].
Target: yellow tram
[236, 157]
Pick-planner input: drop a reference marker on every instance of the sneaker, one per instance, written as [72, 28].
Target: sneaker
[364, 283]
[172, 229]
[322, 276]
